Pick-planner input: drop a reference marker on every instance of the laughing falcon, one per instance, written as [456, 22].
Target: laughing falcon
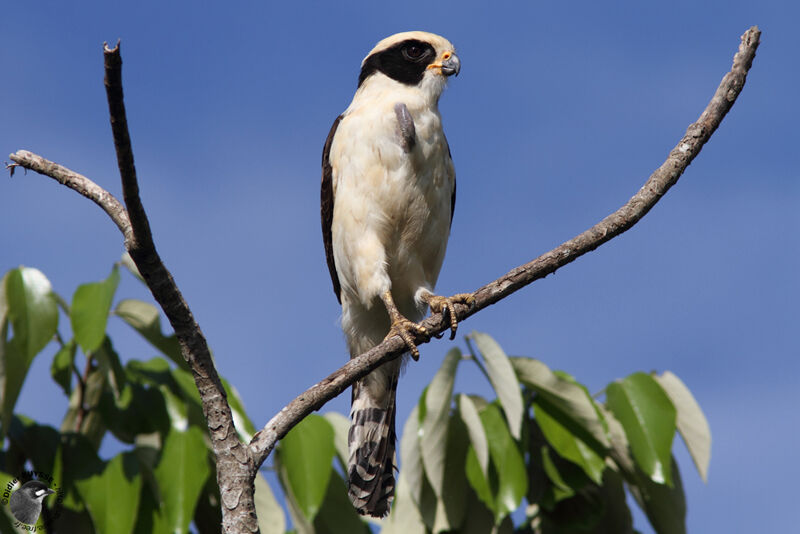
[388, 194]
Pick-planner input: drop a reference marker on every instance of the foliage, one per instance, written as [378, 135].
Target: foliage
[163, 477]
[545, 456]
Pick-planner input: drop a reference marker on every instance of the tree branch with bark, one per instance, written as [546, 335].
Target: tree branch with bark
[238, 462]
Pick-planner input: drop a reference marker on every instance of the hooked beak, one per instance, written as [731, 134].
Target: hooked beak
[449, 65]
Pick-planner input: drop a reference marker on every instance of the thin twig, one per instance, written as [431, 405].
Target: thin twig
[79, 183]
[474, 357]
[83, 383]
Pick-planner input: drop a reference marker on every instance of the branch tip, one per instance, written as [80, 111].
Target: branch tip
[114, 50]
[11, 167]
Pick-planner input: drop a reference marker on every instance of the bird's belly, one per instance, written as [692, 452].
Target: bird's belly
[392, 231]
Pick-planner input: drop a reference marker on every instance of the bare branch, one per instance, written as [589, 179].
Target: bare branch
[235, 468]
[613, 225]
[81, 184]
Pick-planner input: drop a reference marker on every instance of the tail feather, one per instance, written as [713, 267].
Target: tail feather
[372, 445]
[372, 461]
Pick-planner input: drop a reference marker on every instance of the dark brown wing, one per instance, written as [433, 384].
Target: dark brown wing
[326, 207]
[453, 196]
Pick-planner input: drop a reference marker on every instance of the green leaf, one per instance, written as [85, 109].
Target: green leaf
[91, 304]
[145, 319]
[181, 474]
[410, 456]
[616, 514]
[593, 508]
[566, 444]
[648, 417]
[300, 523]
[562, 488]
[109, 364]
[479, 481]
[665, 506]
[341, 427]
[187, 388]
[538, 482]
[138, 410]
[306, 453]
[28, 306]
[503, 379]
[451, 507]
[177, 409]
[92, 424]
[507, 462]
[244, 426]
[620, 451]
[129, 264]
[38, 442]
[112, 496]
[184, 387]
[480, 520]
[437, 401]
[31, 309]
[61, 368]
[75, 460]
[337, 513]
[270, 514]
[477, 436]
[208, 514]
[153, 371]
[578, 412]
[405, 517]
[691, 422]
[148, 519]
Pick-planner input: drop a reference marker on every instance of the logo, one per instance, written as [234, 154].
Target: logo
[25, 499]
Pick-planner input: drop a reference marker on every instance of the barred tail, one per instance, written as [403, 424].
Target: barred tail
[372, 441]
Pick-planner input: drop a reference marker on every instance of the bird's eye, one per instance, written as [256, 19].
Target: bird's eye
[413, 52]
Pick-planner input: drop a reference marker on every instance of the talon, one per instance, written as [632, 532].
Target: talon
[446, 306]
[403, 327]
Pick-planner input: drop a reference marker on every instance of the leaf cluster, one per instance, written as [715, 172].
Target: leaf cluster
[543, 457]
[162, 477]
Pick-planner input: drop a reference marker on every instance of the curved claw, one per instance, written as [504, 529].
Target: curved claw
[403, 327]
[446, 306]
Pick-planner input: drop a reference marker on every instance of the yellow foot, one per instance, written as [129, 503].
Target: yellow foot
[407, 329]
[446, 305]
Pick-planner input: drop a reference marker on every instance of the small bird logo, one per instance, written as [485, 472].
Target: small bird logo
[26, 502]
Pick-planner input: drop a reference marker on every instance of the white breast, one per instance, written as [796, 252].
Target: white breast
[391, 215]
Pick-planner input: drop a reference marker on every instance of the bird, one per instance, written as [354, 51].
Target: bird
[26, 502]
[387, 199]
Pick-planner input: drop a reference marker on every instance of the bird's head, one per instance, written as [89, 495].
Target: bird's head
[35, 490]
[416, 58]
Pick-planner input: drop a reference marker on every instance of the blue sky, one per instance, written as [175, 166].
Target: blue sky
[560, 113]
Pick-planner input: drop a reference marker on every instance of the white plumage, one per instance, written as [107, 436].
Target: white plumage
[386, 210]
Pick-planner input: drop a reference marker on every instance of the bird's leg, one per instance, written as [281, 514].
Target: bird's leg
[401, 326]
[441, 304]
